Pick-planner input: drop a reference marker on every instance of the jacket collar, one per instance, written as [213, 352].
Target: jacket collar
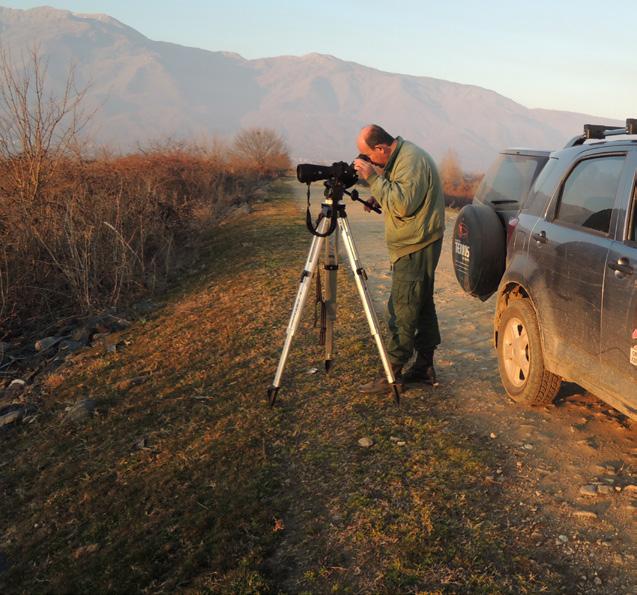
[394, 155]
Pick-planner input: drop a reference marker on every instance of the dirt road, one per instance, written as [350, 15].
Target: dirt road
[575, 461]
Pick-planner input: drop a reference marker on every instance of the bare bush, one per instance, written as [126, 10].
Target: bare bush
[78, 234]
[262, 150]
[37, 128]
[456, 183]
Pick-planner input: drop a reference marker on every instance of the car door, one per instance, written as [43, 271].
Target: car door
[569, 248]
[619, 310]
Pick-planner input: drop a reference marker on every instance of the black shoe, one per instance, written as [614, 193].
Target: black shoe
[422, 372]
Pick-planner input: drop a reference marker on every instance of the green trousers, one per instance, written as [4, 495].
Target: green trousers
[413, 323]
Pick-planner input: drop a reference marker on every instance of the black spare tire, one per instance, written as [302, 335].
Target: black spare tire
[479, 250]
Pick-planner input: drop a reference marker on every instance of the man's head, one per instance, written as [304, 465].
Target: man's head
[376, 143]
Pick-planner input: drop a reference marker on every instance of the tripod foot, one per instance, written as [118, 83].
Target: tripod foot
[328, 365]
[396, 394]
[272, 391]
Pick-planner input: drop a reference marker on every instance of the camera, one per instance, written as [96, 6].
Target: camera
[339, 171]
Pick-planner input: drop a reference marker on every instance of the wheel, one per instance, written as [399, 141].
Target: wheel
[520, 358]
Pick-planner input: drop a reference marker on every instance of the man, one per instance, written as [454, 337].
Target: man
[404, 180]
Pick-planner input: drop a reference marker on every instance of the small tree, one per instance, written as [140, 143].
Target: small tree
[451, 173]
[37, 128]
[38, 133]
[261, 149]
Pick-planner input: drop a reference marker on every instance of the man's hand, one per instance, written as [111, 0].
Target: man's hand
[364, 169]
[372, 202]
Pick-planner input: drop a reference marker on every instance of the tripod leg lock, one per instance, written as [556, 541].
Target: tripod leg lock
[361, 271]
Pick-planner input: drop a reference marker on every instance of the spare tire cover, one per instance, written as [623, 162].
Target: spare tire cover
[479, 250]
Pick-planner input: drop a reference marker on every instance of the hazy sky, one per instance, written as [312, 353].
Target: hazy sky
[575, 55]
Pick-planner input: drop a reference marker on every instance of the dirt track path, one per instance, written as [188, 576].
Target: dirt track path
[553, 451]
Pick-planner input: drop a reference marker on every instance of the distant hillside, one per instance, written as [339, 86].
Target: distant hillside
[147, 89]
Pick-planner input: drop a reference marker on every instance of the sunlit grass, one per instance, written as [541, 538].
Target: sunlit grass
[188, 481]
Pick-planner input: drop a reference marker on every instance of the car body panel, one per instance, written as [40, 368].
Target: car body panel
[587, 312]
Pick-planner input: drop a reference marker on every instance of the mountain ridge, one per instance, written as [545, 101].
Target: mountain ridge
[146, 89]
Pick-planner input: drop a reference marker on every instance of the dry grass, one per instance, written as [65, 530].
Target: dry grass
[101, 231]
[187, 481]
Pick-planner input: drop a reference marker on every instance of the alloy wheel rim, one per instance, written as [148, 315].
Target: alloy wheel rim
[516, 352]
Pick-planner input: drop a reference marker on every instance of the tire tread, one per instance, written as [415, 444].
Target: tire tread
[542, 386]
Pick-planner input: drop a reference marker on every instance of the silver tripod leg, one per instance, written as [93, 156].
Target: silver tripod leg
[361, 283]
[331, 266]
[297, 309]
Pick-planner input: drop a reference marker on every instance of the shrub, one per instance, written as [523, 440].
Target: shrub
[78, 234]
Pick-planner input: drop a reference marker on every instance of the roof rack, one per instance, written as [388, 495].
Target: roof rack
[600, 132]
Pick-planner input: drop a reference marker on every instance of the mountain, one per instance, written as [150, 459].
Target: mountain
[144, 90]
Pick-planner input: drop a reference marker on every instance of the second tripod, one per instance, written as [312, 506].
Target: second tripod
[332, 227]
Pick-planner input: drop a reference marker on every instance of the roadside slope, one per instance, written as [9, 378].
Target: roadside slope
[184, 479]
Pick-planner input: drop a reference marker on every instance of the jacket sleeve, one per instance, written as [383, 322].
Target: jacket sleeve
[403, 195]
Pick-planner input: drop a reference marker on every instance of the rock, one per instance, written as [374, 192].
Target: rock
[605, 490]
[81, 410]
[492, 435]
[85, 550]
[597, 581]
[15, 389]
[141, 443]
[631, 488]
[82, 334]
[366, 442]
[110, 342]
[46, 343]
[312, 371]
[528, 447]
[241, 209]
[584, 514]
[400, 443]
[563, 538]
[588, 490]
[632, 506]
[145, 307]
[68, 346]
[11, 417]
[124, 385]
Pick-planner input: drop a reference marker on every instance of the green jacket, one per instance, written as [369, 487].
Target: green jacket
[410, 194]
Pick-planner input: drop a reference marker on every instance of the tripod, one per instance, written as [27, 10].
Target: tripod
[332, 225]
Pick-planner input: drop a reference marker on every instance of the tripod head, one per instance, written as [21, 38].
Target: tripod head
[333, 205]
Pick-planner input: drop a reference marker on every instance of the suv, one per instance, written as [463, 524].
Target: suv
[553, 235]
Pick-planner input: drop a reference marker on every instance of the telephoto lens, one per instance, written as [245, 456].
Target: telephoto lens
[307, 173]
[339, 171]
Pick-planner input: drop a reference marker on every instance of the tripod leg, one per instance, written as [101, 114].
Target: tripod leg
[331, 266]
[297, 309]
[361, 283]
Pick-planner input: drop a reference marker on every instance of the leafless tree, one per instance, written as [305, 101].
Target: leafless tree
[262, 149]
[37, 127]
[451, 173]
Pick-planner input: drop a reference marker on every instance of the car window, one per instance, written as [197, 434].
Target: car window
[588, 194]
[509, 178]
